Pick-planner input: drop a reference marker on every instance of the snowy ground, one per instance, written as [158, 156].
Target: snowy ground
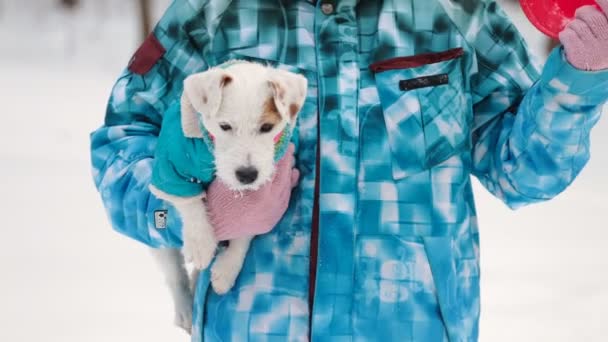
[66, 276]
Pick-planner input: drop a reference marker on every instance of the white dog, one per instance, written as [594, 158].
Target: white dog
[243, 106]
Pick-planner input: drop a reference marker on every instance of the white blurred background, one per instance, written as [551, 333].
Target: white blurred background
[67, 276]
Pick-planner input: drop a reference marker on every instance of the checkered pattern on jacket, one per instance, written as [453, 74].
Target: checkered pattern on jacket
[398, 239]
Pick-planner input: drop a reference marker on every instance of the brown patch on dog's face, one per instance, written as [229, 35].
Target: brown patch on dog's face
[293, 110]
[271, 114]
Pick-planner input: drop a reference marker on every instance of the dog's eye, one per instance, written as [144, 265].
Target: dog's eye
[225, 127]
[267, 127]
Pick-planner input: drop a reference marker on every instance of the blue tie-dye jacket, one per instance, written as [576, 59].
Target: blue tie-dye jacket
[406, 101]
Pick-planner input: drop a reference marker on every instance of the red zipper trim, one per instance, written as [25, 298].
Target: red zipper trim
[416, 60]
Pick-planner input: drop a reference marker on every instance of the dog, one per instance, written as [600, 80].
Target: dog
[242, 106]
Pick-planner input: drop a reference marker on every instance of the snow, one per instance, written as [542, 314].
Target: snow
[68, 277]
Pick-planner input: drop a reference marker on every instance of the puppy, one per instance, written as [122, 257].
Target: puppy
[238, 109]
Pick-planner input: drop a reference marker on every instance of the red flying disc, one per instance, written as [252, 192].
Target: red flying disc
[551, 16]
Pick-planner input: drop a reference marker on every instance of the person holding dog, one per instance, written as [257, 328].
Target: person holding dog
[407, 100]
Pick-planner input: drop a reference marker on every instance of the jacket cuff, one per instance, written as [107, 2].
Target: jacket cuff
[562, 77]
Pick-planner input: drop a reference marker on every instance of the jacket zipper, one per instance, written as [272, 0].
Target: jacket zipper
[314, 237]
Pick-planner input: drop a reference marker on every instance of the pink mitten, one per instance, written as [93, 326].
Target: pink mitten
[254, 212]
[585, 39]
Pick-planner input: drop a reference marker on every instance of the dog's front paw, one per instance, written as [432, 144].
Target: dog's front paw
[199, 254]
[224, 272]
[199, 247]
[199, 244]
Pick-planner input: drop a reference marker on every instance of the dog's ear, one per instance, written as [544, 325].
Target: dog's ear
[190, 119]
[289, 92]
[202, 94]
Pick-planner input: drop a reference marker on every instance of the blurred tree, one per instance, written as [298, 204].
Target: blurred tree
[145, 17]
[69, 3]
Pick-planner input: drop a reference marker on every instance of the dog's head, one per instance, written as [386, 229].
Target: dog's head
[244, 107]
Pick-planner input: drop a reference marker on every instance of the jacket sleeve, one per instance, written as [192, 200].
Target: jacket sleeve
[530, 132]
[122, 150]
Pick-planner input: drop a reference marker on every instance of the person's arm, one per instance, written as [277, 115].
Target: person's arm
[122, 150]
[531, 131]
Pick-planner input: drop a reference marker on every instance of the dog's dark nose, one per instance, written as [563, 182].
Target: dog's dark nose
[247, 175]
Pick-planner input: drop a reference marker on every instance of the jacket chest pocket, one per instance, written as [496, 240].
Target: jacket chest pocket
[425, 109]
